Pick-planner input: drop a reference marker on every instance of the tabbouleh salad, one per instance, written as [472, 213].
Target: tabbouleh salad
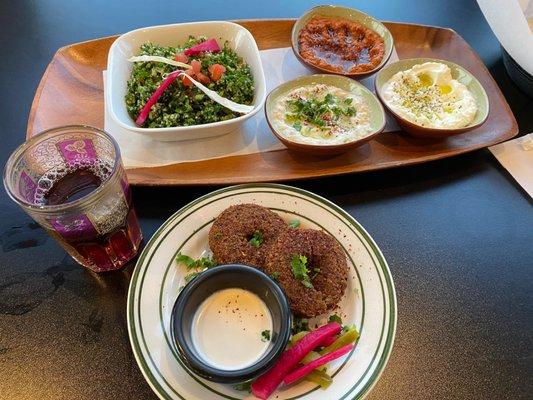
[182, 103]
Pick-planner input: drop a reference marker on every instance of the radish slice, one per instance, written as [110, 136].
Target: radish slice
[303, 371]
[210, 45]
[163, 60]
[329, 341]
[141, 118]
[240, 108]
[265, 385]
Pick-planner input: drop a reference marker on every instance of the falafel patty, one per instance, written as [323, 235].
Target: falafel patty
[326, 265]
[243, 233]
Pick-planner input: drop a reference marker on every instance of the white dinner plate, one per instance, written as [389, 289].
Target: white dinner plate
[369, 301]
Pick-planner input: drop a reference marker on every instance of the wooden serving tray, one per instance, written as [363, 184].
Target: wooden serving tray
[71, 92]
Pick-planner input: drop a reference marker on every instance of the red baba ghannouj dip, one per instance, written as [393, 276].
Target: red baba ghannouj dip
[340, 45]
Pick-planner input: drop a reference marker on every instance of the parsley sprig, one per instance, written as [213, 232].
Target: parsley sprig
[199, 265]
[300, 269]
[190, 263]
[318, 112]
[299, 324]
[294, 223]
[335, 318]
[257, 239]
[245, 386]
[265, 335]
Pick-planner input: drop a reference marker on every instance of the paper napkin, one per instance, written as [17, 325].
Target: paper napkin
[516, 156]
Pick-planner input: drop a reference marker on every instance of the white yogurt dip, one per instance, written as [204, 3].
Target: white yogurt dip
[427, 95]
[228, 329]
[342, 118]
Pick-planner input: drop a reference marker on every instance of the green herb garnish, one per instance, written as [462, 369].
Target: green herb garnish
[256, 239]
[191, 263]
[294, 223]
[300, 270]
[319, 113]
[274, 275]
[346, 328]
[186, 260]
[265, 335]
[335, 318]
[299, 325]
[191, 276]
[199, 265]
[245, 386]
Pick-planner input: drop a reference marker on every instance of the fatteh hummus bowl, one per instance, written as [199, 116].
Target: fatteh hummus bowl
[323, 114]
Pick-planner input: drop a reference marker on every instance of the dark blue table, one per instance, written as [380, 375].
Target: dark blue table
[458, 233]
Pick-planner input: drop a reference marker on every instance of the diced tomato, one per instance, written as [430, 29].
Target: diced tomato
[203, 78]
[216, 71]
[186, 81]
[181, 58]
[196, 66]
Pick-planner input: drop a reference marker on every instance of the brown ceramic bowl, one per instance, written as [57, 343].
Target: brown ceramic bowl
[459, 73]
[377, 114]
[344, 13]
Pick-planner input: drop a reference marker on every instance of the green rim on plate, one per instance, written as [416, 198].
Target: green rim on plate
[149, 367]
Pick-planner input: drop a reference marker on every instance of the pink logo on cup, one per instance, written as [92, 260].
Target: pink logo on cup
[77, 150]
[27, 187]
[126, 190]
[74, 227]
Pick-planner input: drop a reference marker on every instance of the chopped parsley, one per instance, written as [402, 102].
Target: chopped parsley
[245, 386]
[274, 275]
[199, 265]
[347, 328]
[335, 318]
[190, 263]
[300, 270]
[257, 239]
[180, 105]
[265, 335]
[191, 276]
[299, 325]
[319, 113]
[294, 223]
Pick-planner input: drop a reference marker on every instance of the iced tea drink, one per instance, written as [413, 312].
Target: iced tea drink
[71, 181]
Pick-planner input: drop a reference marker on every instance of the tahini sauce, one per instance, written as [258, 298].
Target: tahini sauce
[227, 329]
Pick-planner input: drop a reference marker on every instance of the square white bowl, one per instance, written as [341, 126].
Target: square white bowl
[128, 45]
